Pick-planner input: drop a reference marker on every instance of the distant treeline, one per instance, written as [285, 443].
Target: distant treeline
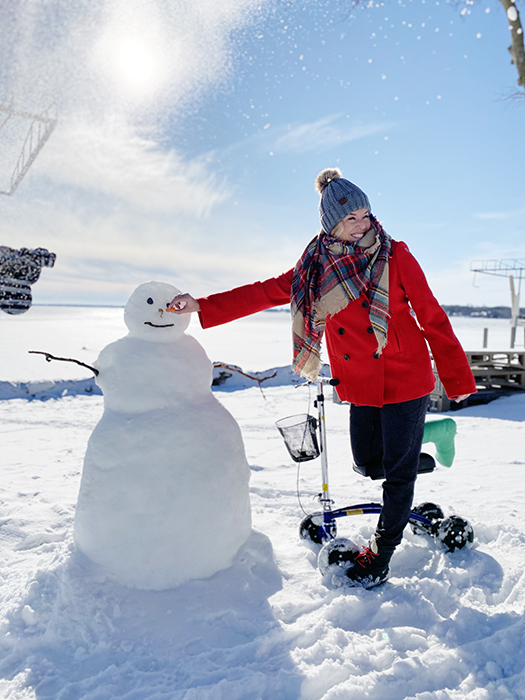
[451, 310]
[483, 311]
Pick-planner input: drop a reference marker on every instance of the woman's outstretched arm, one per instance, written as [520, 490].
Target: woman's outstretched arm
[224, 307]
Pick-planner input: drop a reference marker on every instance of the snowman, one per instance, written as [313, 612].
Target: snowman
[164, 493]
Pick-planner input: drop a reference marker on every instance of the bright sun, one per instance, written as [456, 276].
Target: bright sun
[136, 63]
[132, 61]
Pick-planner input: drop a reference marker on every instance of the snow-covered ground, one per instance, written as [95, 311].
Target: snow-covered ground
[444, 627]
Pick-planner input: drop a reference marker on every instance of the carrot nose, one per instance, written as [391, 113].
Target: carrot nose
[179, 306]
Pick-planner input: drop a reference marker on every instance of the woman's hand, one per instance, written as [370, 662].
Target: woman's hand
[183, 304]
[461, 398]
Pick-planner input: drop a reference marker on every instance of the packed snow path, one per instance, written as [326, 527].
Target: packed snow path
[444, 627]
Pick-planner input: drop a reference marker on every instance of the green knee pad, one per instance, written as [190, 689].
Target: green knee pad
[441, 432]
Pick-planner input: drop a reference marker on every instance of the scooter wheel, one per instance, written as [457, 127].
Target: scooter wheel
[313, 529]
[430, 511]
[337, 555]
[454, 533]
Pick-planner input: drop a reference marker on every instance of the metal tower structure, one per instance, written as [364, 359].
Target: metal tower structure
[514, 270]
[30, 130]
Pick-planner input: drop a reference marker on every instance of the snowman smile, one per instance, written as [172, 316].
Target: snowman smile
[155, 325]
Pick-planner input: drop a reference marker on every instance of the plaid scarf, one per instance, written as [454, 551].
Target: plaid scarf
[330, 274]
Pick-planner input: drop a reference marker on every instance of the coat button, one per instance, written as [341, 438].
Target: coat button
[341, 331]
[369, 329]
[365, 304]
[376, 356]
[346, 357]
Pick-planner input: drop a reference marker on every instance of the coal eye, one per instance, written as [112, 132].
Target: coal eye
[150, 301]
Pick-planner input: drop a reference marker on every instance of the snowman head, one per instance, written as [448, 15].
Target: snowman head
[146, 317]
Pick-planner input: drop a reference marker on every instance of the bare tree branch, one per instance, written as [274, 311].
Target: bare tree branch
[516, 48]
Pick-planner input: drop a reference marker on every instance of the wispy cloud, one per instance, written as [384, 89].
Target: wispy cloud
[113, 159]
[325, 133]
[499, 215]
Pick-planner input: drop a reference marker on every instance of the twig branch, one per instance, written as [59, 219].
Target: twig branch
[50, 357]
[256, 379]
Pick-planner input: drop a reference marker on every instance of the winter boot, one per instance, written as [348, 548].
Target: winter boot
[370, 566]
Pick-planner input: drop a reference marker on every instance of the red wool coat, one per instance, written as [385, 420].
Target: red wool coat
[404, 370]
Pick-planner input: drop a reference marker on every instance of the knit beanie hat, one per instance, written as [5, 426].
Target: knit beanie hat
[339, 197]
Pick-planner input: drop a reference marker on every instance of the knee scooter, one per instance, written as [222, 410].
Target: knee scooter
[305, 439]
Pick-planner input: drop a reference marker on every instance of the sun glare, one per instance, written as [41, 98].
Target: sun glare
[133, 63]
[136, 63]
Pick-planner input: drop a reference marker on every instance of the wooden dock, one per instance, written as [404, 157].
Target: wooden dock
[496, 374]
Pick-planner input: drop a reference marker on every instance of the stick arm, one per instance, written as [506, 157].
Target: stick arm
[50, 357]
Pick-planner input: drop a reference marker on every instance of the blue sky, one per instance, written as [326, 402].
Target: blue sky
[190, 134]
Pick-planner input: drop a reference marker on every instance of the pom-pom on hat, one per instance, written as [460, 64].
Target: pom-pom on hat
[339, 197]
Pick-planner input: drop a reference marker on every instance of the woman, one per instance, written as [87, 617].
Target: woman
[368, 294]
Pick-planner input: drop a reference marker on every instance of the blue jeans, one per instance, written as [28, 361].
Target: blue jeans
[394, 433]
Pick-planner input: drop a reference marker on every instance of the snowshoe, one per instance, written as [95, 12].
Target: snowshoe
[454, 533]
[314, 529]
[432, 512]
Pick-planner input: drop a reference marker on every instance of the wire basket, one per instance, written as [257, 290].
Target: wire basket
[300, 437]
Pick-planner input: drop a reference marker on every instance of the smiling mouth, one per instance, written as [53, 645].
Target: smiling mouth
[155, 325]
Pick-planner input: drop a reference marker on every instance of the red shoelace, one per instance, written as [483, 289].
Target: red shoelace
[365, 556]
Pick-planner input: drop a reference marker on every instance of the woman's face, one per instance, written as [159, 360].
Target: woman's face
[355, 225]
